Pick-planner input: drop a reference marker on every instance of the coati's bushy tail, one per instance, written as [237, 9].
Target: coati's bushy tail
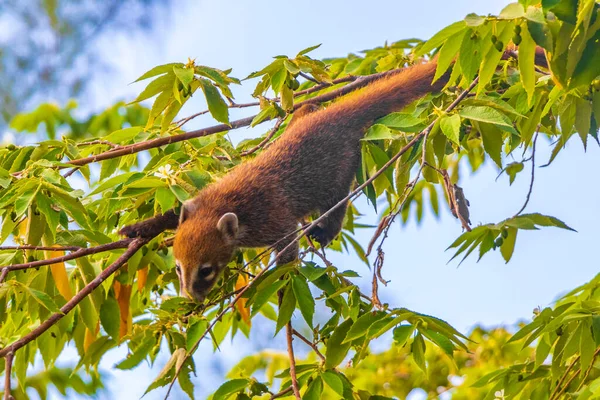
[388, 94]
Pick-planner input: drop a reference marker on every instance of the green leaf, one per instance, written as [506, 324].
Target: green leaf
[291, 67]
[583, 119]
[139, 354]
[158, 70]
[541, 34]
[194, 333]
[545, 220]
[402, 333]
[486, 114]
[333, 381]
[439, 38]
[161, 84]
[216, 105]
[44, 300]
[418, 352]
[379, 132]
[308, 50]
[448, 53]
[512, 11]
[513, 169]
[286, 309]
[124, 135]
[451, 127]
[336, 351]
[493, 56]
[587, 345]
[185, 75]
[306, 303]
[230, 387]
[264, 294]
[110, 317]
[311, 271]
[401, 121]
[315, 389]
[474, 20]
[469, 56]
[163, 377]
[492, 141]
[5, 178]
[362, 325]
[526, 57]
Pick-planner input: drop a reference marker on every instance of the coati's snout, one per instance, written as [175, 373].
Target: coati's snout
[202, 248]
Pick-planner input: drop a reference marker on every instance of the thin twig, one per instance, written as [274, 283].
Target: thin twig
[120, 244]
[265, 140]
[7, 372]
[45, 248]
[281, 394]
[532, 178]
[133, 247]
[290, 347]
[309, 343]
[588, 370]
[562, 378]
[184, 121]
[99, 141]
[308, 77]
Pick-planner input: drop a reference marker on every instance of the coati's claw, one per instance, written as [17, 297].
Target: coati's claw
[320, 235]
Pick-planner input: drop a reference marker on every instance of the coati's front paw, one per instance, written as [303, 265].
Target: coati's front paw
[322, 236]
[144, 229]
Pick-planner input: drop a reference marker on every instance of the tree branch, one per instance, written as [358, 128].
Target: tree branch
[281, 394]
[120, 244]
[47, 248]
[7, 371]
[309, 343]
[133, 246]
[290, 347]
[532, 178]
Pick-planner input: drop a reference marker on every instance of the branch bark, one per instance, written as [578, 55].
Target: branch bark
[120, 244]
[7, 371]
[290, 347]
[133, 247]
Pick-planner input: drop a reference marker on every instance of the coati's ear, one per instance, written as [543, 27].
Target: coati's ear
[187, 209]
[228, 226]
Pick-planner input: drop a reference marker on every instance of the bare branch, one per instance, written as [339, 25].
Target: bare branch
[532, 178]
[133, 246]
[290, 347]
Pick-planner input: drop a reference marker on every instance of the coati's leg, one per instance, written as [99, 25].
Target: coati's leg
[288, 255]
[327, 230]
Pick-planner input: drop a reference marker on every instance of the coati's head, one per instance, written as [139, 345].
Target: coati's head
[203, 246]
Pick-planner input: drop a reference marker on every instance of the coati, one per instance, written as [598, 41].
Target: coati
[310, 168]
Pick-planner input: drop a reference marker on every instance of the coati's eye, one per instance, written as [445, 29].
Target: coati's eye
[178, 269]
[206, 272]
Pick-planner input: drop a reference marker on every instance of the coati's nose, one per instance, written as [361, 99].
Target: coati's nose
[194, 294]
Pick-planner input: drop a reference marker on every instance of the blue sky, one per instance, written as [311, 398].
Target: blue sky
[244, 36]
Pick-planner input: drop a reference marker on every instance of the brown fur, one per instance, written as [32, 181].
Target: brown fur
[308, 169]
